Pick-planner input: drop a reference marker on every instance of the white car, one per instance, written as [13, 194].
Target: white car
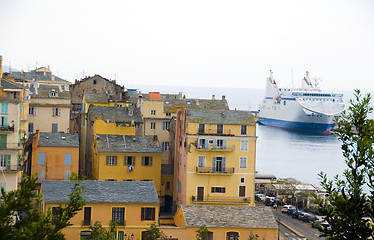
[286, 207]
[260, 196]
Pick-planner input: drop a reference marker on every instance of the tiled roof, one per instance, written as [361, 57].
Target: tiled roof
[10, 85]
[58, 140]
[96, 98]
[228, 216]
[127, 144]
[103, 192]
[115, 114]
[42, 90]
[33, 75]
[154, 96]
[221, 117]
[8, 100]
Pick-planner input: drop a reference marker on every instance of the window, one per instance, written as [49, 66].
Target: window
[55, 211]
[32, 111]
[53, 93]
[94, 82]
[243, 162]
[87, 216]
[4, 122]
[67, 159]
[153, 112]
[201, 161]
[148, 214]
[3, 140]
[147, 161]
[201, 128]
[41, 175]
[219, 128]
[67, 174]
[243, 130]
[244, 145]
[153, 125]
[165, 146]
[219, 143]
[129, 161]
[242, 180]
[242, 190]
[31, 127]
[121, 235]
[203, 144]
[41, 158]
[56, 112]
[179, 186]
[4, 108]
[119, 105]
[111, 160]
[219, 164]
[54, 127]
[4, 159]
[118, 215]
[218, 189]
[167, 185]
[165, 125]
[168, 114]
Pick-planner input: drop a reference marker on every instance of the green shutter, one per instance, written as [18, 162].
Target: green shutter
[9, 162]
[3, 140]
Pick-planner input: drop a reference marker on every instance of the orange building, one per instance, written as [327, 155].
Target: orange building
[54, 156]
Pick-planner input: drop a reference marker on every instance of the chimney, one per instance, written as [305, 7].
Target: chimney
[180, 96]
[197, 102]
[223, 97]
[213, 97]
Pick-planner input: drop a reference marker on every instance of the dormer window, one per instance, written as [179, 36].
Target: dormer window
[53, 93]
[131, 112]
[94, 81]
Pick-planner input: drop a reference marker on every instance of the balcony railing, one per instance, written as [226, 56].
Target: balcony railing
[86, 222]
[220, 199]
[10, 168]
[11, 145]
[229, 148]
[210, 170]
[120, 223]
[213, 131]
[5, 129]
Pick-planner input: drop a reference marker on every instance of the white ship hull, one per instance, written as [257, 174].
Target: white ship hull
[304, 109]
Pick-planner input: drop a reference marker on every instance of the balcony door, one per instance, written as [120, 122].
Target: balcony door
[232, 236]
[200, 194]
[219, 164]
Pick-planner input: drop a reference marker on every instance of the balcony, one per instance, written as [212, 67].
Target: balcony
[11, 168]
[11, 146]
[229, 148]
[213, 131]
[6, 129]
[219, 199]
[210, 170]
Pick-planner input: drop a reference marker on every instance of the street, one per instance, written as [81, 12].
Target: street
[298, 225]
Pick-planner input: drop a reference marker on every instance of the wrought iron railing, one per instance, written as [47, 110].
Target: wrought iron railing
[229, 148]
[10, 168]
[226, 170]
[213, 131]
[6, 129]
[221, 199]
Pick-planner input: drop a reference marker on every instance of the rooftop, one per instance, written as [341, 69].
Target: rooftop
[103, 192]
[127, 144]
[45, 90]
[40, 74]
[10, 85]
[115, 114]
[58, 140]
[245, 217]
[221, 117]
[96, 98]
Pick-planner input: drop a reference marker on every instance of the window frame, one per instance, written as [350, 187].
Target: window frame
[218, 189]
[240, 162]
[243, 130]
[153, 125]
[153, 112]
[109, 159]
[244, 147]
[148, 214]
[118, 213]
[149, 159]
[219, 128]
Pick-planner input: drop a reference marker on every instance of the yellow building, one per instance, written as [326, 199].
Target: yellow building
[127, 158]
[105, 120]
[13, 105]
[223, 222]
[49, 109]
[134, 205]
[54, 156]
[215, 157]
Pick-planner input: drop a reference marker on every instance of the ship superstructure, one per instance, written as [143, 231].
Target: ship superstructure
[304, 109]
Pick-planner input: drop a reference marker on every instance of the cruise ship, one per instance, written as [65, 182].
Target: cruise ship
[305, 109]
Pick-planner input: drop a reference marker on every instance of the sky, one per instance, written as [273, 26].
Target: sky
[210, 43]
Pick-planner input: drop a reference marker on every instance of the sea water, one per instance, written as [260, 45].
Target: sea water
[279, 152]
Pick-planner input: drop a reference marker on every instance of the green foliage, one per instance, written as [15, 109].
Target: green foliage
[153, 233]
[253, 236]
[202, 233]
[348, 207]
[100, 233]
[35, 224]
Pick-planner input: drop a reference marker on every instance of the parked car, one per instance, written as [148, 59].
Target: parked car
[260, 196]
[279, 202]
[301, 215]
[309, 218]
[291, 210]
[285, 208]
[297, 213]
[321, 223]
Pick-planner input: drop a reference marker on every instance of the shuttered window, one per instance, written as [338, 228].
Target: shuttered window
[147, 161]
[243, 162]
[3, 140]
[4, 108]
[218, 189]
[148, 214]
[129, 161]
[244, 145]
[111, 160]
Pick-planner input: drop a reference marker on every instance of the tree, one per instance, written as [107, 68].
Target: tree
[100, 233]
[153, 233]
[34, 223]
[202, 233]
[347, 205]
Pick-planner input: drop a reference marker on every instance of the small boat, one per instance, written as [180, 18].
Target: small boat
[306, 109]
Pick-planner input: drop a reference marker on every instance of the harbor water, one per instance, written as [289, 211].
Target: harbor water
[280, 152]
